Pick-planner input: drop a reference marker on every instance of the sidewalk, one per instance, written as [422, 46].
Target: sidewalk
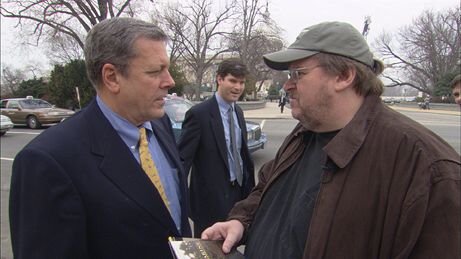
[397, 108]
[272, 111]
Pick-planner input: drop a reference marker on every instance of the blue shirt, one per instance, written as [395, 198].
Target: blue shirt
[223, 109]
[168, 174]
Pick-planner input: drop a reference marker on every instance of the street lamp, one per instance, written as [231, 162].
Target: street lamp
[366, 26]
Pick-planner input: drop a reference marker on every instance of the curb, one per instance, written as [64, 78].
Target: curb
[266, 114]
[271, 111]
[255, 114]
[267, 117]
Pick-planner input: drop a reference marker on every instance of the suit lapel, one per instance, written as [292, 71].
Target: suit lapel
[166, 140]
[163, 137]
[242, 125]
[120, 167]
[218, 129]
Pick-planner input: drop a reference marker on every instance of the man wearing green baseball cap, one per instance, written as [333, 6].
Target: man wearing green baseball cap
[354, 179]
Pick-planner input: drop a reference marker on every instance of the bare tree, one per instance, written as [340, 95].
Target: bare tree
[427, 50]
[255, 34]
[259, 72]
[61, 48]
[63, 24]
[197, 35]
[11, 78]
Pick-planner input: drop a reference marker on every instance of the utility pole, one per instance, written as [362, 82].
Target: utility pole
[78, 98]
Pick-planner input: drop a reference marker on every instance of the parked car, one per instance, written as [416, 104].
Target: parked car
[391, 100]
[33, 112]
[5, 124]
[176, 108]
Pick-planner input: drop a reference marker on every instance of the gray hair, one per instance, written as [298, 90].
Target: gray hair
[366, 81]
[111, 42]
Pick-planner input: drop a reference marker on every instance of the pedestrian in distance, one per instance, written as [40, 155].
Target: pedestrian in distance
[107, 182]
[213, 146]
[427, 102]
[456, 89]
[354, 179]
[282, 103]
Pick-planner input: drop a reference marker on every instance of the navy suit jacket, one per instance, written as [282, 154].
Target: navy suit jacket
[203, 148]
[77, 191]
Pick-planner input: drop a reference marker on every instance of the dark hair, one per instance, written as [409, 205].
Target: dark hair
[366, 81]
[455, 81]
[111, 42]
[234, 67]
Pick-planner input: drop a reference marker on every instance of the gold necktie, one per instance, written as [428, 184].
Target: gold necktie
[148, 165]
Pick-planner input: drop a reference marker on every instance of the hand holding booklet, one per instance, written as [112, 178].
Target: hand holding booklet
[187, 248]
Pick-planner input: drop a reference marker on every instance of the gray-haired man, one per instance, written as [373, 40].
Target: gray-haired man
[107, 182]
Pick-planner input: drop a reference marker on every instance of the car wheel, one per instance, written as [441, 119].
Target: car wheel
[32, 122]
[2, 133]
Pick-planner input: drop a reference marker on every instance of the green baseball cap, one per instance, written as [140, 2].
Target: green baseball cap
[336, 38]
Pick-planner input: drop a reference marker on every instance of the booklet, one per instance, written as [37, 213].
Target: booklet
[187, 248]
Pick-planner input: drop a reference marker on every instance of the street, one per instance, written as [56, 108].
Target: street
[445, 125]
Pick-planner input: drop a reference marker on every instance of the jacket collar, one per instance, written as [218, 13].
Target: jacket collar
[125, 173]
[343, 147]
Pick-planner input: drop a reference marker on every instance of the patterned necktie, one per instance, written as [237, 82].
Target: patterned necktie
[235, 154]
[148, 165]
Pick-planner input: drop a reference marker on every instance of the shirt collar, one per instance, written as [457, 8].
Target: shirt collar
[223, 105]
[125, 129]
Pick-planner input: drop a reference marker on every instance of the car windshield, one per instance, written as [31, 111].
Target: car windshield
[176, 109]
[34, 104]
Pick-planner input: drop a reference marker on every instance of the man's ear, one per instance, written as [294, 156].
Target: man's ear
[219, 79]
[346, 79]
[110, 78]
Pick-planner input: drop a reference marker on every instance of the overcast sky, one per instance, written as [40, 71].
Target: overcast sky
[291, 15]
[386, 15]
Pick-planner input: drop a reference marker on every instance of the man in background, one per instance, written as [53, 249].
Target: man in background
[282, 102]
[354, 179]
[107, 182]
[213, 143]
[427, 102]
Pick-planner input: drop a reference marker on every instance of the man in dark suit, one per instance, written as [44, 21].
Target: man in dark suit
[221, 174]
[282, 102]
[79, 190]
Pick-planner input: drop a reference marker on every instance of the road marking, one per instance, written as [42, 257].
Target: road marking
[6, 158]
[262, 124]
[23, 132]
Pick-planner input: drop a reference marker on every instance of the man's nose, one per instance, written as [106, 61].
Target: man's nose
[288, 85]
[169, 81]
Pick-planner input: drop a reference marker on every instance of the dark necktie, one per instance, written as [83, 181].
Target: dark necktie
[235, 154]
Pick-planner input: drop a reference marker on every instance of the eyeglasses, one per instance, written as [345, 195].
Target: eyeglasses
[296, 74]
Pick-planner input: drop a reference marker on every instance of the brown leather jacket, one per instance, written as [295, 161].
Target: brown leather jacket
[395, 191]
